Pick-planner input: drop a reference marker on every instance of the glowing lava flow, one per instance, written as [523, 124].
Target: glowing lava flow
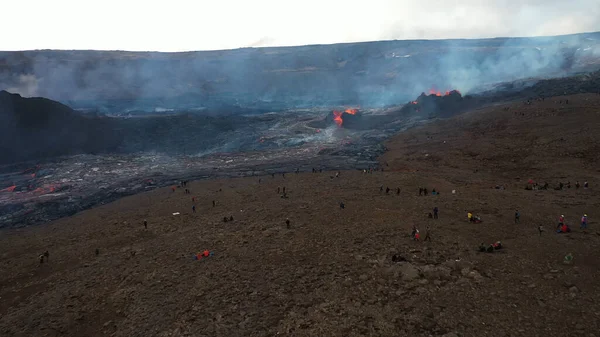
[9, 189]
[438, 93]
[337, 115]
[337, 118]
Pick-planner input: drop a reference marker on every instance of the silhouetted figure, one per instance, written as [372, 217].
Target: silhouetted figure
[272, 175]
[380, 188]
[287, 223]
[145, 224]
[259, 180]
[517, 216]
[97, 252]
[427, 234]
[278, 189]
[47, 255]
[577, 185]
[224, 219]
[283, 189]
[231, 218]
[214, 203]
[342, 206]
[585, 185]
[41, 258]
[283, 174]
[387, 190]
[425, 191]
[420, 191]
[435, 212]
[398, 191]
[194, 208]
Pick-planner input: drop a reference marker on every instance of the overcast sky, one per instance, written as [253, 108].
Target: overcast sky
[180, 25]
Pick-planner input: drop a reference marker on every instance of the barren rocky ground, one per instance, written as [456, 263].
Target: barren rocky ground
[331, 272]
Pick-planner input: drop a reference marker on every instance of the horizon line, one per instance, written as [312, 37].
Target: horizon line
[297, 46]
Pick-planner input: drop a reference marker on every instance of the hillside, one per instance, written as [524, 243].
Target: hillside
[39, 128]
[331, 272]
[370, 74]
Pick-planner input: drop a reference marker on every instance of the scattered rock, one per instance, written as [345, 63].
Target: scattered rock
[409, 272]
[450, 334]
[574, 289]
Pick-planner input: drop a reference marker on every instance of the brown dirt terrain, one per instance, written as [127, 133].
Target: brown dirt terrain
[331, 273]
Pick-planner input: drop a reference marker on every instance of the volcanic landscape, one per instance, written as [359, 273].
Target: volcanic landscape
[296, 218]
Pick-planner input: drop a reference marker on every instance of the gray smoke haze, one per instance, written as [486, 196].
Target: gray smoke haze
[366, 74]
[26, 85]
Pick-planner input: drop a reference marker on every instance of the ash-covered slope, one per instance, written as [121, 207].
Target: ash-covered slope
[36, 128]
[367, 74]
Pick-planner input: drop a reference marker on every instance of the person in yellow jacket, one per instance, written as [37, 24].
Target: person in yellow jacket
[470, 216]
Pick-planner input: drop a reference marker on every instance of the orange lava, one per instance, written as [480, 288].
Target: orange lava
[337, 117]
[9, 189]
[438, 93]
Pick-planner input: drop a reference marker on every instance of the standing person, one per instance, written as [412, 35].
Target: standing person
[577, 185]
[584, 221]
[585, 185]
[214, 203]
[435, 212]
[561, 221]
[420, 191]
[194, 208]
[427, 234]
[287, 223]
[425, 191]
[517, 216]
[398, 191]
[540, 229]
[145, 224]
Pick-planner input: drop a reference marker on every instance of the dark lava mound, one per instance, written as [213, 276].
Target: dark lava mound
[34, 128]
[436, 105]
